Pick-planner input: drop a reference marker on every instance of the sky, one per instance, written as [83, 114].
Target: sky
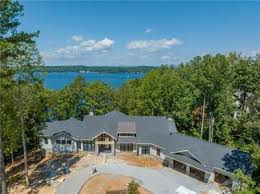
[140, 33]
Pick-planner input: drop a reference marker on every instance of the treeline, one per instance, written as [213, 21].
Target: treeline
[99, 69]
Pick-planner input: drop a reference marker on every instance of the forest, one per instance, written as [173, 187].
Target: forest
[212, 97]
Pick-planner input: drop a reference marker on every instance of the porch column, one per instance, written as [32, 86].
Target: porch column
[113, 149]
[187, 169]
[81, 147]
[171, 163]
[209, 177]
[135, 148]
[140, 150]
[96, 149]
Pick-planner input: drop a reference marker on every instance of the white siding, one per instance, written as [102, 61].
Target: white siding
[153, 151]
[52, 146]
[47, 147]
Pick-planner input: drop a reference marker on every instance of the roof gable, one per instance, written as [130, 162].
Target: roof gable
[115, 113]
[188, 154]
[104, 132]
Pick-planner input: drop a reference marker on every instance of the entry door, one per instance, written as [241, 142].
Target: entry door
[105, 148]
[158, 152]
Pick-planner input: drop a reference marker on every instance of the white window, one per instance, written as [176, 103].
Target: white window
[127, 134]
[58, 141]
[145, 150]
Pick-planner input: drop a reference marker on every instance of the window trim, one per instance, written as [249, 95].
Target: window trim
[58, 141]
[63, 141]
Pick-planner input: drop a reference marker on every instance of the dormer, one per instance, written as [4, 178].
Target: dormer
[126, 129]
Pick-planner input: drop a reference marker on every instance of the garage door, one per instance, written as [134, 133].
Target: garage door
[197, 174]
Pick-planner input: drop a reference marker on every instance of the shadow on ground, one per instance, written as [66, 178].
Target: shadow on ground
[52, 169]
[45, 169]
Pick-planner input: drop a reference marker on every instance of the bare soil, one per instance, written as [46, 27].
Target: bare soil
[100, 184]
[45, 173]
[142, 161]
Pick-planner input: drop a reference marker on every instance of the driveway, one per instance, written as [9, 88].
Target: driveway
[162, 181]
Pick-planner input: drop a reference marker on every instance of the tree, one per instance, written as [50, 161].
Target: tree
[245, 183]
[79, 98]
[26, 61]
[9, 11]
[247, 81]
[127, 97]
[212, 76]
[70, 101]
[12, 140]
[100, 98]
[133, 187]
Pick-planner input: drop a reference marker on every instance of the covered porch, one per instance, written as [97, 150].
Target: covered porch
[104, 143]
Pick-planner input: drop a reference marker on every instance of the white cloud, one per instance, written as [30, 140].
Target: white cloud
[153, 45]
[148, 30]
[165, 57]
[81, 48]
[77, 38]
[168, 57]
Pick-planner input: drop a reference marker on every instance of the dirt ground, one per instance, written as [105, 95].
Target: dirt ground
[42, 169]
[43, 174]
[87, 160]
[142, 161]
[39, 172]
[100, 184]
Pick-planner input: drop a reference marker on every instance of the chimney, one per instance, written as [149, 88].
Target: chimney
[91, 113]
[169, 117]
[171, 124]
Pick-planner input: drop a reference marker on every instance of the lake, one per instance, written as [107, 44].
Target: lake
[58, 80]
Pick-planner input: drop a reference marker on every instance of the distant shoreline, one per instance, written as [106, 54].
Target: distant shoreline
[98, 69]
[59, 80]
[92, 72]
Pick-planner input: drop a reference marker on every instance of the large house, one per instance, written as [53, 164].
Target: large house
[157, 136]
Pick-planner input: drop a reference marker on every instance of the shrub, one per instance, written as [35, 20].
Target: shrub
[133, 187]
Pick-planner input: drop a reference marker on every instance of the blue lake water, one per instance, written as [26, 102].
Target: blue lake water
[58, 80]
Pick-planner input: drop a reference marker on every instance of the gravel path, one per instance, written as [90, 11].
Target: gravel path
[162, 181]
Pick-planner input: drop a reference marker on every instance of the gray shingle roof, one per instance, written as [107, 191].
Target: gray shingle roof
[156, 130]
[126, 127]
[210, 155]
